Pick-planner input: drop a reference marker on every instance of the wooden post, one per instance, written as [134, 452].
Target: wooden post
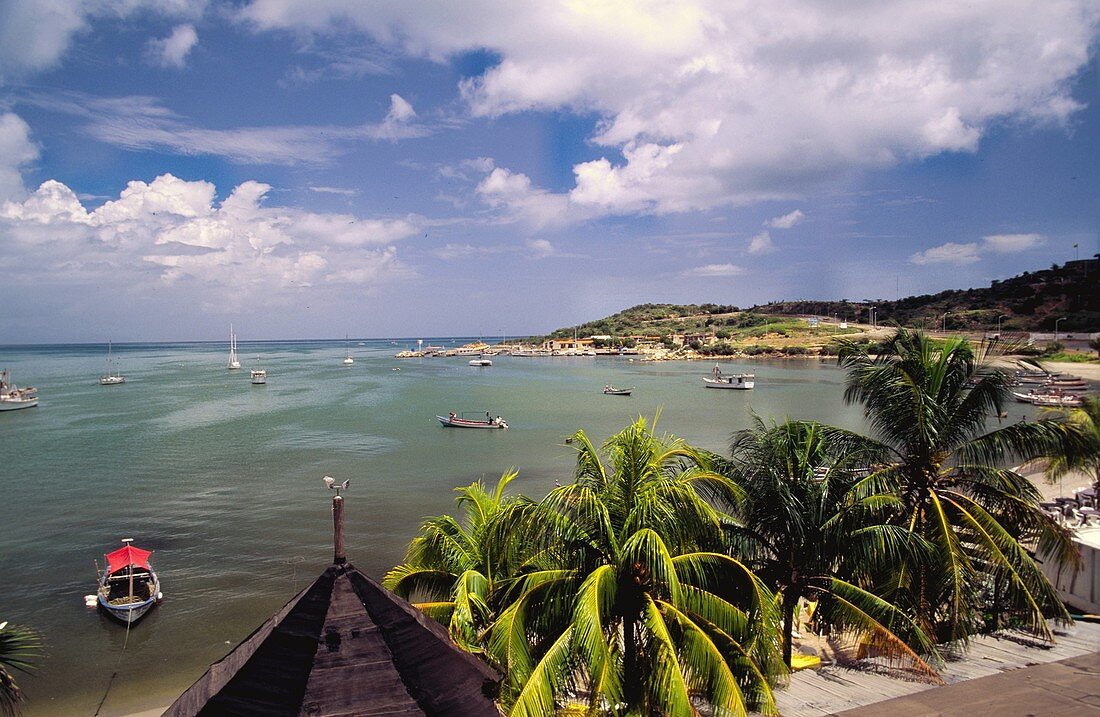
[338, 530]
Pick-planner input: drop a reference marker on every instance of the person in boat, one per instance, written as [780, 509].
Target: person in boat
[452, 415]
[488, 417]
[717, 371]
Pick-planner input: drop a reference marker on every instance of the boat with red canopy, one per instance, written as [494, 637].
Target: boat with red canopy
[128, 585]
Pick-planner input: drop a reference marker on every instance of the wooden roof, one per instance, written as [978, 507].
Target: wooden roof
[345, 646]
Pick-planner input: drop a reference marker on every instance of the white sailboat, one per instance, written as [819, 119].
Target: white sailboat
[233, 362]
[348, 360]
[111, 378]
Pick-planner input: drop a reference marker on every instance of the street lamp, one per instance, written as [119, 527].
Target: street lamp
[945, 320]
[1056, 327]
[836, 324]
[1002, 316]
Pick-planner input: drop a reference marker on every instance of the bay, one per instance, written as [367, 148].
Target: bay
[222, 479]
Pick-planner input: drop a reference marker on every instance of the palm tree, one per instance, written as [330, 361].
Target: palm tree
[628, 600]
[1087, 420]
[928, 403]
[451, 568]
[808, 528]
[18, 648]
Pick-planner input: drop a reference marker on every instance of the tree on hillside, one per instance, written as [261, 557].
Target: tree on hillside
[928, 403]
[629, 598]
[808, 529]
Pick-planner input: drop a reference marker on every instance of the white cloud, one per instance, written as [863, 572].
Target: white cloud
[142, 123]
[175, 231]
[1011, 243]
[786, 221]
[512, 192]
[761, 244]
[172, 51]
[16, 150]
[342, 191]
[714, 270]
[949, 253]
[541, 248]
[717, 102]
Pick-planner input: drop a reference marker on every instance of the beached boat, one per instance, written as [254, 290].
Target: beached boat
[12, 397]
[1031, 376]
[111, 378]
[1051, 400]
[481, 362]
[348, 360]
[128, 585]
[612, 391]
[234, 363]
[1068, 385]
[454, 421]
[740, 381]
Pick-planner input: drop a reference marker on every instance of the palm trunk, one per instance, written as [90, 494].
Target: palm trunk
[790, 602]
[632, 678]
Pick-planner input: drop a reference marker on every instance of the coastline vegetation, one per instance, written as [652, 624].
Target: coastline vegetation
[664, 576]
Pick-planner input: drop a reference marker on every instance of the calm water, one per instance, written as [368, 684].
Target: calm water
[223, 479]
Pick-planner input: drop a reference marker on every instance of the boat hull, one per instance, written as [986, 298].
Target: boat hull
[111, 380]
[463, 423]
[618, 392]
[737, 385]
[15, 405]
[130, 613]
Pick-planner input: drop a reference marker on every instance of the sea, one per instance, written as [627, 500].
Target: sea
[223, 479]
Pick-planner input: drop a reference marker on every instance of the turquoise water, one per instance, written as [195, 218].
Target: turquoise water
[222, 479]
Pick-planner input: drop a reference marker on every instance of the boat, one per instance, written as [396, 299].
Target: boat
[259, 376]
[234, 363]
[741, 381]
[348, 360]
[1069, 385]
[128, 585]
[612, 391]
[1032, 376]
[1053, 400]
[12, 397]
[481, 362]
[111, 379]
[454, 421]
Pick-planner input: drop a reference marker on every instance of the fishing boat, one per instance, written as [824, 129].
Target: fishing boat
[612, 391]
[481, 362]
[740, 381]
[12, 397]
[348, 360]
[1069, 384]
[234, 363]
[1051, 400]
[111, 378]
[128, 585]
[1032, 376]
[455, 421]
[259, 376]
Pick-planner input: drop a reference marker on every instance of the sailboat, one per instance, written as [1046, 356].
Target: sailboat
[111, 379]
[348, 360]
[233, 362]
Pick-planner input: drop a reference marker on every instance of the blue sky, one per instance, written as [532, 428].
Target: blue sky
[306, 168]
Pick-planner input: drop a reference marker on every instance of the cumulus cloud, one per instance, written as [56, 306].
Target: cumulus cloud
[714, 270]
[175, 231]
[513, 193]
[36, 35]
[1011, 243]
[712, 102]
[786, 221]
[172, 51]
[949, 253]
[16, 150]
[761, 244]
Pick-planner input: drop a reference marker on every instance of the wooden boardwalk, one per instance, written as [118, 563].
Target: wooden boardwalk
[832, 689]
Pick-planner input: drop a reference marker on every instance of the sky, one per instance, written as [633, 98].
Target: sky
[310, 168]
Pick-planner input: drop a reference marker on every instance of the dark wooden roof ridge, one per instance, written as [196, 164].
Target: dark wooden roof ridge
[345, 646]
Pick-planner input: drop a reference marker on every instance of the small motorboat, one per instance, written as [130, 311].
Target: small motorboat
[1054, 400]
[454, 421]
[128, 585]
[742, 381]
[481, 362]
[12, 397]
[610, 390]
[259, 376]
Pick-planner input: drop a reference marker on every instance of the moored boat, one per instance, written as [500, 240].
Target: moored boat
[453, 420]
[481, 362]
[234, 363]
[740, 381]
[12, 397]
[1051, 400]
[348, 360]
[128, 585]
[259, 376]
[111, 378]
[612, 391]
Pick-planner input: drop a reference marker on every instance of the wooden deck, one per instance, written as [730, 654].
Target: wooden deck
[833, 689]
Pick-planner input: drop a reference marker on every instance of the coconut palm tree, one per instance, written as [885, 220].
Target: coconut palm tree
[1087, 420]
[628, 602]
[18, 648]
[928, 403]
[451, 568]
[808, 527]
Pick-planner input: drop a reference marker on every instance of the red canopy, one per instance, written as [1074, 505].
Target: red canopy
[128, 555]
